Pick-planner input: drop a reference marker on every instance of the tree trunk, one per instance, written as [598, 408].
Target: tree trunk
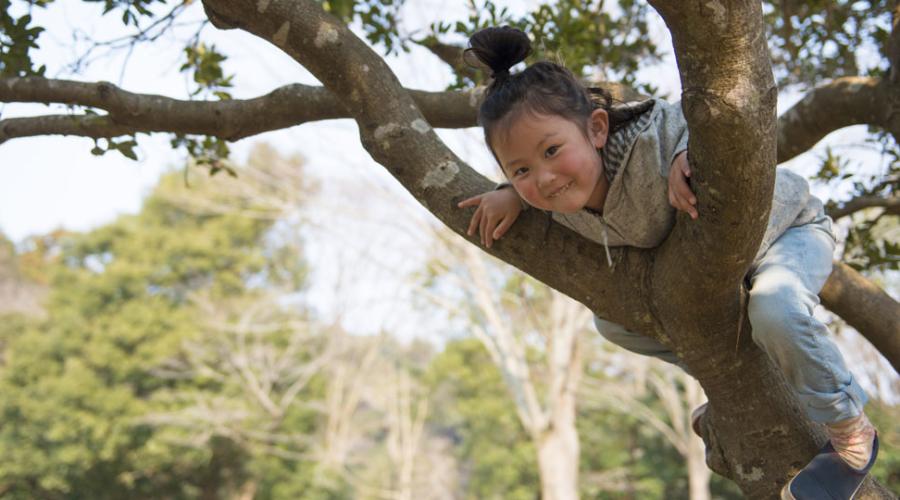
[558, 452]
[699, 474]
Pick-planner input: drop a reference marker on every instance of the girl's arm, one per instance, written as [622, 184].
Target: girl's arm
[496, 212]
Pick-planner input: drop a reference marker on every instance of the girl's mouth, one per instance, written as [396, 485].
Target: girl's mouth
[561, 190]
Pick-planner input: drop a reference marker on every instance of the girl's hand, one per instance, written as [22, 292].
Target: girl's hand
[496, 212]
[680, 195]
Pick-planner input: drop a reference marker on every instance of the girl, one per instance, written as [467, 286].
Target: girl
[616, 175]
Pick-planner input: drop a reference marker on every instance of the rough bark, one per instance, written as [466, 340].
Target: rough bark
[730, 104]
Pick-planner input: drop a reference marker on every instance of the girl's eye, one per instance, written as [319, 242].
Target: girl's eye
[551, 151]
[520, 171]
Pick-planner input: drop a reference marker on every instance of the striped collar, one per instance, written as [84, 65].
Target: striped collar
[619, 143]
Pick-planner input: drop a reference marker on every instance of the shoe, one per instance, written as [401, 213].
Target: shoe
[827, 476]
[696, 415]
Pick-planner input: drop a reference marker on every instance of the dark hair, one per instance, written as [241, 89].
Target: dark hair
[543, 87]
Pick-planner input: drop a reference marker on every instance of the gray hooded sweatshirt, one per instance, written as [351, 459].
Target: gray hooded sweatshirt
[637, 212]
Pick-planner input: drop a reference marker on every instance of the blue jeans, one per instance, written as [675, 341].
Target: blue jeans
[784, 287]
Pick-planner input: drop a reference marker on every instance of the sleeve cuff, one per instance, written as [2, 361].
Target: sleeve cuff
[504, 185]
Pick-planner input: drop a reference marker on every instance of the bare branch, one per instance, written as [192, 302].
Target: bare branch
[232, 119]
[94, 126]
[852, 297]
[841, 103]
[891, 206]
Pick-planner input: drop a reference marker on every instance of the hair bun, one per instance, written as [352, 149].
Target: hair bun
[499, 48]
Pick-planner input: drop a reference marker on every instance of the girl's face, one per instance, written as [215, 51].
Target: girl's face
[552, 164]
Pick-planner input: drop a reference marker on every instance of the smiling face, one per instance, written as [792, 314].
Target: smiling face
[551, 163]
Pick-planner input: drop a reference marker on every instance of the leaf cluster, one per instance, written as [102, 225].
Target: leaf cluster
[205, 65]
[814, 40]
[379, 20]
[132, 10]
[873, 239]
[18, 36]
[590, 38]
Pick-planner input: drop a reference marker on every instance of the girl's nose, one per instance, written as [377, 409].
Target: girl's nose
[546, 178]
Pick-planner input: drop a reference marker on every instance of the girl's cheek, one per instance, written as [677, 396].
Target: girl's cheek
[528, 192]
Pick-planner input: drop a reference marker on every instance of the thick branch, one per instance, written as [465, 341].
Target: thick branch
[854, 298]
[729, 102]
[844, 102]
[233, 119]
[396, 135]
[891, 206]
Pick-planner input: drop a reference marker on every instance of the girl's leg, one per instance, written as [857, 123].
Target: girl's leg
[784, 287]
[635, 342]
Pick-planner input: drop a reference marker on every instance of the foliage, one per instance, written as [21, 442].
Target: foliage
[17, 37]
[873, 240]
[474, 409]
[77, 386]
[814, 40]
[584, 36]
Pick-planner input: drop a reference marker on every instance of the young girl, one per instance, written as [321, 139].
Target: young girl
[616, 175]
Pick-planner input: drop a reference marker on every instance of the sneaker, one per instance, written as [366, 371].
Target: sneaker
[828, 476]
[696, 415]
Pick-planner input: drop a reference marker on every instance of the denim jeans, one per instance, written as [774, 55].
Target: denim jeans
[784, 287]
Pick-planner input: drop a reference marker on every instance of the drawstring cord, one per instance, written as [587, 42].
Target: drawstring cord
[606, 245]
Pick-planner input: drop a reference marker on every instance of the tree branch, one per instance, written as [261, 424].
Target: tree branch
[891, 206]
[397, 137]
[94, 126]
[852, 297]
[841, 103]
[232, 119]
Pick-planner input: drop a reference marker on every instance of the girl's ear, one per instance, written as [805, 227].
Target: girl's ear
[599, 127]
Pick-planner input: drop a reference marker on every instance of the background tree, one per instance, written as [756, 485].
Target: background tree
[77, 390]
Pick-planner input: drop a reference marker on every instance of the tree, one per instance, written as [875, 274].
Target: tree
[545, 402]
[729, 103]
[80, 382]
